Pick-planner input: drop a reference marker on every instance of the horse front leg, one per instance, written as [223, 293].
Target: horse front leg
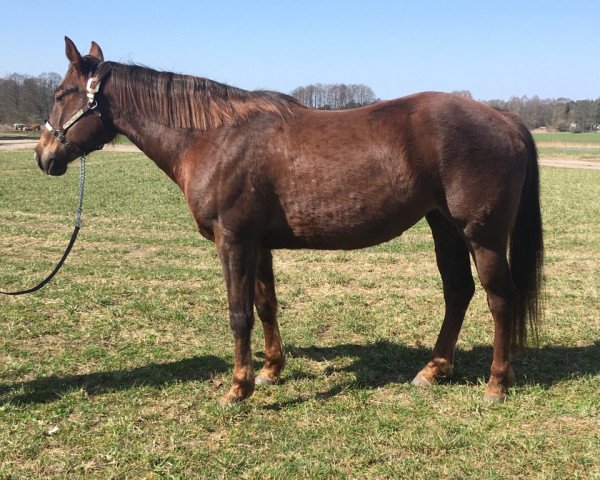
[266, 307]
[239, 269]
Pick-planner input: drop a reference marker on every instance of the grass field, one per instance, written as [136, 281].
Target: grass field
[19, 135]
[580, 146]
[114, 370]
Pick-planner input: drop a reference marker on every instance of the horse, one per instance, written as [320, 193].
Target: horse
[261, 171]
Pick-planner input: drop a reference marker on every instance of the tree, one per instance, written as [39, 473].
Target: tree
[463, 93]
[26, 99]
[560, 114]
[336, 96]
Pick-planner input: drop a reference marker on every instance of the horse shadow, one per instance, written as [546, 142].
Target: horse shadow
[382, 363]
[372, 365]
[51, 388]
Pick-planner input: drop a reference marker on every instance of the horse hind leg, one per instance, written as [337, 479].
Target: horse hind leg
[265, 301]
[452, 256]
[494, 274]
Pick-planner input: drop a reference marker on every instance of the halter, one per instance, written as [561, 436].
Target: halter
[92, 87]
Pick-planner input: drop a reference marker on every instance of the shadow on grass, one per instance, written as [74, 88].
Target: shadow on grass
[48, 389]
[373, 365]
[381, 363]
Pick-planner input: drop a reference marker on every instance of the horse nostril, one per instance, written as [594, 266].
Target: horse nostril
[37, 158]
[44, 165]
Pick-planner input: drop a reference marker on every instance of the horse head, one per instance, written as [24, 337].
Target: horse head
[78, 124]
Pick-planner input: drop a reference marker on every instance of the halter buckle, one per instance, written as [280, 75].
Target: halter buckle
[92, 91]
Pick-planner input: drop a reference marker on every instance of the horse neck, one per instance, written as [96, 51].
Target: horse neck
[163, 144]
[164, 113]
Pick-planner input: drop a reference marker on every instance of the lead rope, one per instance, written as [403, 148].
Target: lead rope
[81, 188]
[73, 236]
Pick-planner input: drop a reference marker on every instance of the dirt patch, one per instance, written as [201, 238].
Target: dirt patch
[569, 163]
[21, 144]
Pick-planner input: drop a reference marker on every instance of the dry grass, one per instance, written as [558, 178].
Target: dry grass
[570, 146]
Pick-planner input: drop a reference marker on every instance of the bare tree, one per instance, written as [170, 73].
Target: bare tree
[463, 93]
[25, 98]
[334, 96]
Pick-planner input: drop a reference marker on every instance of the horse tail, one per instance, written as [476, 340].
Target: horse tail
[526, 255]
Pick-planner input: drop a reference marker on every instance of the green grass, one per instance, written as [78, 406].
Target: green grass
[575, 146]
[19, 135]
[127, 352]
[561, 137]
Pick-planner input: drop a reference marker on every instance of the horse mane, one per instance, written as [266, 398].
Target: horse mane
[184, 101]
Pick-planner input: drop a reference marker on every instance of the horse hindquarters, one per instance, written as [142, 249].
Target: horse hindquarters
[514, 290]
[512, 214]
[489, 253]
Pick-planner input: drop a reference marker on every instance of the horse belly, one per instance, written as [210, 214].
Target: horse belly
[350, 236]
[344, 186]
[347, 218]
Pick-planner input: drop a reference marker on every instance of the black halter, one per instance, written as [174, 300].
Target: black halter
[92, 87]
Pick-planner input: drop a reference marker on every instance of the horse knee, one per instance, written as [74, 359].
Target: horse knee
[241, 323]
[266, 310]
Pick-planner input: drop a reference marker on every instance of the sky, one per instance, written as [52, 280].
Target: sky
[494, 49]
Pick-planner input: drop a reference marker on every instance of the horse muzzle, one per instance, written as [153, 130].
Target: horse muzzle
[50, 164]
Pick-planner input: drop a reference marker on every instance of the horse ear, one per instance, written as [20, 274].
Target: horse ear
[96, 51]
[72, 53]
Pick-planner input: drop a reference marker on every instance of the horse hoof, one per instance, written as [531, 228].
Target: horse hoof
[421, 381]
[264, 381]
[229, 399]
[494, 398]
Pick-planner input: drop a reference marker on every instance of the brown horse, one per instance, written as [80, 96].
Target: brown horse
[261, 171]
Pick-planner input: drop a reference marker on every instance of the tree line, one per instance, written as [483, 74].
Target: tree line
[337, 96]
[561, 114]
[29, 99]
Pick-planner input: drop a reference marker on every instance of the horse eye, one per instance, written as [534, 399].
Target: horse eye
[63, 93]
